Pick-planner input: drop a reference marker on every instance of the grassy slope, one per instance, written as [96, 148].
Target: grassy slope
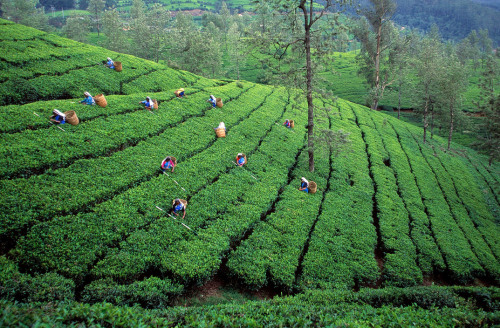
[78, 207]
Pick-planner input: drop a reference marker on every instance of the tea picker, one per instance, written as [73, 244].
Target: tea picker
[51, 122]
[148, 103]
[110, 63]
[307, 186]
[241, 160]
[89, 100]
[176, 219]
[289, 125]
[168, 163]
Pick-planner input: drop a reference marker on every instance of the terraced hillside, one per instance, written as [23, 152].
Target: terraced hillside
[80, 209]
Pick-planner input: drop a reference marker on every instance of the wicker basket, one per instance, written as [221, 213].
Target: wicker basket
[101, 100]
[155, 104]
[292, 124]
[71, 117]
[218, 102]
[312, 187]
[174, 160]
[118, 66]
[220, 132]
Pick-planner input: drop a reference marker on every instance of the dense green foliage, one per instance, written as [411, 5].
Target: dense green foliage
[79, 217]
[411, 307]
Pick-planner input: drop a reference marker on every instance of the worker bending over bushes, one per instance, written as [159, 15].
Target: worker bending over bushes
[110, 63]
[179, 93]
[168, 163]
[58, 117]
[89, 100]
[179, 205]
[241, 159]
[304, 185]
[213, 101]
[148, 103]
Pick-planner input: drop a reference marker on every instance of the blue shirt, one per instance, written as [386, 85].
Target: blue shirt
[241, 161]
[148, 104]
[305, 185]
[88, 101]
[179, 207]
[167, 164]
[60, 118]
[111, 64]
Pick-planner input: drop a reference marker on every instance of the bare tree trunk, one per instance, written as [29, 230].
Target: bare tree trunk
[238, 67]
[432, 122]
[377, 68]
[309, 74]
[426, 124]
[97, 19]
[452, 117]
[399, 100]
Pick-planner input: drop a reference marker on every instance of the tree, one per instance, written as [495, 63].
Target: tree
[198, 51]
[485, 45]
[158, 19]
[264, 14]
[210, 55]
[296, 29]
[451, 83]
[113, 29]
[489, 105]
[141, 39]
[427, 70]
[77, 28]
[95, 9]
[225, 19]
[236, 49]
[25, 12]
[376, 33]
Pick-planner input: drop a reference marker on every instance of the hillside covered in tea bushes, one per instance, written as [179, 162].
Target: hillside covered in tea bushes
[81, 224]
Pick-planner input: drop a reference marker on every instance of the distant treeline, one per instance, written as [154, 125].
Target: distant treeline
[455, 18]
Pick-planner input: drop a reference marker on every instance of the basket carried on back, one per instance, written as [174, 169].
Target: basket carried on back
[220, 132]
[101, 100]
[218, 102]
[118, 66]
[174, 160]
[71, 117]
[292, 124]
[155, 104]
[312, 187]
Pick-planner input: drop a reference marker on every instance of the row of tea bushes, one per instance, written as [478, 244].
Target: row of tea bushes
[341, 251]
[155, 247]
[136, 206]
[459, 258]
[423, 307]
[110, 178]
[429, 257]
[400, 267]
[35, 150]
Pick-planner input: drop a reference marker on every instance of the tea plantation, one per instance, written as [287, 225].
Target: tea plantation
[398, 233]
